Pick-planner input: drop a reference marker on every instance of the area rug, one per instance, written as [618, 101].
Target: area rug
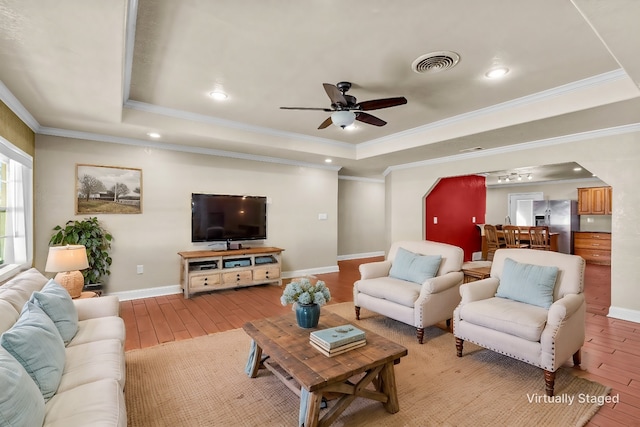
[201, 382]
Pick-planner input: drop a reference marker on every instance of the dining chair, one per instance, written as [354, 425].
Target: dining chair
[539, 238]
[512, 234]
[493, 242]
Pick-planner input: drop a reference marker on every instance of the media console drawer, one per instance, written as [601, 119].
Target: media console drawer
[199, 281]
[266, 273]
[237, 277]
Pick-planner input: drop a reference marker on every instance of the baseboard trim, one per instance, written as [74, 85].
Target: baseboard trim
[624, 314]
[148, 292]
[359, 256]
[310, 271]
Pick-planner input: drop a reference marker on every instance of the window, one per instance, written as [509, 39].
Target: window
[16, 209]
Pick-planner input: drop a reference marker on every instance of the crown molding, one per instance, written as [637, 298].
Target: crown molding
[202, 118]
[600, 133]
[18, 109]
[176, 147]
[362, 179]
[587, 83]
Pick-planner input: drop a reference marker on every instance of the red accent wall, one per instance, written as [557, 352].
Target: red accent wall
[454, 202]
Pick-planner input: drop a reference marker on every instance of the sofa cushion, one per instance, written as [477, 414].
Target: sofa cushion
[8, 315]
[528, 283]
[21, 403]
[36, 343]
[101, 328]
[19, 288]
[55, 300]
[92, 362]
[504, 315]
[390, 289]
[100, 403]
[414, 267]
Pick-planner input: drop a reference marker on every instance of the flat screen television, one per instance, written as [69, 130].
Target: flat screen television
[226, 218]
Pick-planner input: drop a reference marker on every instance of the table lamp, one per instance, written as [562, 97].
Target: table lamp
[67, 261]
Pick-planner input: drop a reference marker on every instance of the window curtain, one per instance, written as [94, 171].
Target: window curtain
[17, 250]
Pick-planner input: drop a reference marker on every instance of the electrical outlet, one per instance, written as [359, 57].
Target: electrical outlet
[140, 269]
[435, 219]
[473, 219]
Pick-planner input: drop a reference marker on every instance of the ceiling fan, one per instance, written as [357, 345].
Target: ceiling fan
[346, 109]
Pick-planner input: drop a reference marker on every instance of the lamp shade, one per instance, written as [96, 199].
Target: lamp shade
[67, 258]
[343, 118]
[67, 261]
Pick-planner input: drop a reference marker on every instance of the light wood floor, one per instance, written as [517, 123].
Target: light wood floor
[611, 353]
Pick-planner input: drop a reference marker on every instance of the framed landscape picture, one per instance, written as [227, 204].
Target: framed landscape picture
[108, 190]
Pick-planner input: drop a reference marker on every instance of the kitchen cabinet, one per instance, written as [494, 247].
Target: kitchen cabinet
[594, 247]
[594, 201]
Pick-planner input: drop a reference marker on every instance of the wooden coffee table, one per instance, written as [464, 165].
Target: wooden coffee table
[311, 375]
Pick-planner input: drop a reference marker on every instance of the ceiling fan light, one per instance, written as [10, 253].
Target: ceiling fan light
[343, 119]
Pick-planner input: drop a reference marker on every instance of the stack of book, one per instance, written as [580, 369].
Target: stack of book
[337, 340]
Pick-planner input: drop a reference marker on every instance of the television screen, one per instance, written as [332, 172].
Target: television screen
[218, 217]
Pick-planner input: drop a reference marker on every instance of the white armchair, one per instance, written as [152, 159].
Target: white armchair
[540, 316]
[420, 301]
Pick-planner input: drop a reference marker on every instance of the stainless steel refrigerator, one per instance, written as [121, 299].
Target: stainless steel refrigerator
[561, 216]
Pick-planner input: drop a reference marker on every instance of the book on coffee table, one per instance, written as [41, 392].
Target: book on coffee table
[338, 350]
[337, 336]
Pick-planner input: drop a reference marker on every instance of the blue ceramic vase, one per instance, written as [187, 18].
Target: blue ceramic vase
[307, 315]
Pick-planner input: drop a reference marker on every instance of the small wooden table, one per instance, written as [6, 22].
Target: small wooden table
[477, 273]
[312, 375]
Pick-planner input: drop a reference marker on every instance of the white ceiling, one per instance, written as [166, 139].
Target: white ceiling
[114, 70]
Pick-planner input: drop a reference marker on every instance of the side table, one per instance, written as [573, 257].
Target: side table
[88, 294]
[477, 273]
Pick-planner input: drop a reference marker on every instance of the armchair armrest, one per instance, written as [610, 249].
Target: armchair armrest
[564, 308]
[479, 290]
[438, 284]
[371, 270]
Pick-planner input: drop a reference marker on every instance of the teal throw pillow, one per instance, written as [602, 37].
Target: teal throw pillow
[35, 342]
[528, 283]
[414, 267]
[55, 300]
[21, 403]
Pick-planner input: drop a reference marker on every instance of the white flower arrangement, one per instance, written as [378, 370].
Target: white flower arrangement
[303, 291]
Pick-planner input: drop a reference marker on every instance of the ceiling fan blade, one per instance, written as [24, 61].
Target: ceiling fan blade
[369, 119]
[376, 104]
[326, 123]
[334, 93]
[307, 108]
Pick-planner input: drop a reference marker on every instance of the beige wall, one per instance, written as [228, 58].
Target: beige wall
[613, 158]
[360, 217]
[296, 196]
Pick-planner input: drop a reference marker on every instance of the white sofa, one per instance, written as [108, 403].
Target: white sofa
[416, 302]
[531, 308]
[90, 389]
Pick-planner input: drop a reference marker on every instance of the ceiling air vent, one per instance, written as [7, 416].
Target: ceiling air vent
[435, 62]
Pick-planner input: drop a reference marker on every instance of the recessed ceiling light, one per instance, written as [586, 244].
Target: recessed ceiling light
[218, 95]
[328, 160]
[153, 134]
[496, 73]
[577, 169]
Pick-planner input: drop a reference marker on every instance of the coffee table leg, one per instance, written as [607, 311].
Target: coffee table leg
[310, 407]
[388, 377]
[253, 363]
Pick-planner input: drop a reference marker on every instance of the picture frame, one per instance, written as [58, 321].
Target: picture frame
[108, 190]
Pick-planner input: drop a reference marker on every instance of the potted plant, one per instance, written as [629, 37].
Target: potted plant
[89, 233]
[306, 296]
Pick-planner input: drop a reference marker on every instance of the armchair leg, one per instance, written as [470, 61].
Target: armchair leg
[420, 334]
[549, 382]
[449, 324]
[577, 358]
[357, 312]
[459, 344]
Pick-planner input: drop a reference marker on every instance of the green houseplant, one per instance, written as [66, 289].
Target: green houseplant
[89, 233]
